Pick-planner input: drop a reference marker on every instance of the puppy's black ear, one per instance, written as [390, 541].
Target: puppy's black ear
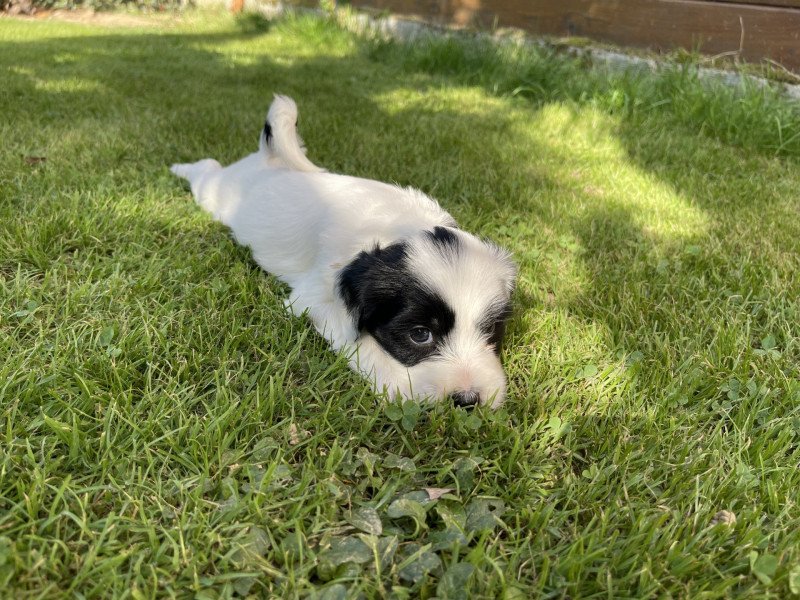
[371, 283]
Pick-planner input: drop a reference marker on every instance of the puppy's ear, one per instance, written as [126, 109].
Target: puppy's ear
[508, 269]
[511, 278]
[370, 285]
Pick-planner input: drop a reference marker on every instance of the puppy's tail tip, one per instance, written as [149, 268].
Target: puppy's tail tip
[280, 139]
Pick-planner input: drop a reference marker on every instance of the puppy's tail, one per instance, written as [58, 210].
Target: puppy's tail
[279, 138]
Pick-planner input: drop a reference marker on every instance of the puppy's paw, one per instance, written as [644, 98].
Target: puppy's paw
[192, 171]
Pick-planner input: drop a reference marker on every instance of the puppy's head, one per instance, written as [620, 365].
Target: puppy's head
[430, 311]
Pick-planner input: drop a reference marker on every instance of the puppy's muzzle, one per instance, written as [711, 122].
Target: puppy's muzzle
[465, 399]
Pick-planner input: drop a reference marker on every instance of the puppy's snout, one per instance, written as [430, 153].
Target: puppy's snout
[466, 398]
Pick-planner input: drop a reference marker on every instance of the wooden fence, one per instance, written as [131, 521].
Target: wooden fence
[754, 31]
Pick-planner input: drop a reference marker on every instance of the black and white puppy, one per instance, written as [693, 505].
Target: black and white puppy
[382, 271]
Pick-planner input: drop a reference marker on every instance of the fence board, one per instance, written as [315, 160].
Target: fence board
[711, 27]
[790, 3]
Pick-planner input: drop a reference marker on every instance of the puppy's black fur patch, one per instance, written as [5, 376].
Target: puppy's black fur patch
[442, 236]
[494, 325]
[267, 133]
[388, 302]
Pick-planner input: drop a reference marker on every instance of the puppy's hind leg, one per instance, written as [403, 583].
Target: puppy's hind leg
[195, 173]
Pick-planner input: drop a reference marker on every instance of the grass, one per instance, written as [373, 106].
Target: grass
[167, 429]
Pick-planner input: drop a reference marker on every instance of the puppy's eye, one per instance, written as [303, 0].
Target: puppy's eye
[421, 335]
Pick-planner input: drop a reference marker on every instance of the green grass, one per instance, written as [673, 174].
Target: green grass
[168, 430]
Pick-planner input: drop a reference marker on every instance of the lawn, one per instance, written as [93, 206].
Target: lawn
[166, 429]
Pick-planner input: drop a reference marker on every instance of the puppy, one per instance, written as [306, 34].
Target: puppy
[382, 271]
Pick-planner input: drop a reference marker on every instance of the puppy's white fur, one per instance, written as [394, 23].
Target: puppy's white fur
[305, 226]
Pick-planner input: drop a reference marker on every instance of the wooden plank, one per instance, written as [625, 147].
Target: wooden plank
[708, 26]
[790, 3]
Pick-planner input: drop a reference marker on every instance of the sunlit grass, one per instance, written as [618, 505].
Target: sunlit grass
[168, 430]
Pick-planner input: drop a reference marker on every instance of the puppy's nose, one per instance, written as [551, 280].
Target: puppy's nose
[466, 398]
